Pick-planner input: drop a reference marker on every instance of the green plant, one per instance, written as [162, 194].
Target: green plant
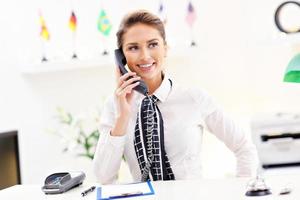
[78, 133]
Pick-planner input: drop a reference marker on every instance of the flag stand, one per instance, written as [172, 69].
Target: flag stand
[44, 36]
[105, 52]
[190, 20]
[73, 26]
[74, 56]
[193, 43]
[44, 58]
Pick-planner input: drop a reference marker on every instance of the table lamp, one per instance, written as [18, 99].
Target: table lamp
[292, 72]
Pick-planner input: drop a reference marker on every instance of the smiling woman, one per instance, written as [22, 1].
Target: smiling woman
[160, 133]
[145, 50]
[143, 41]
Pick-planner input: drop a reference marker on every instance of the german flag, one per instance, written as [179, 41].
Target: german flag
[73, 22]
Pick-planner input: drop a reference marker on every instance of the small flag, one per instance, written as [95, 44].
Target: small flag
[191, 15]
[162, 13]
[44, 31]
[161, 8]
[73, 22]
[104, 25]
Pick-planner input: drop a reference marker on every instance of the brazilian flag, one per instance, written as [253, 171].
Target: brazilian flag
[104, 25]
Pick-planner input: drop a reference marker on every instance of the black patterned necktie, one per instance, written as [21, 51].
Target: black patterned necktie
[149, 142]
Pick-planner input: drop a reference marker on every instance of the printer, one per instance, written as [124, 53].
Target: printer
[277, 138]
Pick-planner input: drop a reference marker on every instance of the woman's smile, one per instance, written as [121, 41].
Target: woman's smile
[147, 67]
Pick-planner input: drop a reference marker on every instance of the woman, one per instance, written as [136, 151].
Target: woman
[160, 134]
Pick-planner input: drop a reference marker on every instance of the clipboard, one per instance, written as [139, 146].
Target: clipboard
[108, 192]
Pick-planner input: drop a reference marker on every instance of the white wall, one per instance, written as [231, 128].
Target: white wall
[240, 60]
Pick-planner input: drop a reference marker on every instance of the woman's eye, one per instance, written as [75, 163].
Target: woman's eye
[132, 48]
[153, 44]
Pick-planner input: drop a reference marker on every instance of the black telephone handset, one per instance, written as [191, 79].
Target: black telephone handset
[121, 62]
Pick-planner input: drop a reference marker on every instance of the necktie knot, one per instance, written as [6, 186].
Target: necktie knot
[152, 98]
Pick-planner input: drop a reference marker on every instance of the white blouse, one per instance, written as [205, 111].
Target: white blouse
[185, 112]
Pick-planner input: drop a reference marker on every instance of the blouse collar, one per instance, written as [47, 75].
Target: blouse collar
[163, 91]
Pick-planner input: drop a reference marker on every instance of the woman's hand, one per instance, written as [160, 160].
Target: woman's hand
[123, 95]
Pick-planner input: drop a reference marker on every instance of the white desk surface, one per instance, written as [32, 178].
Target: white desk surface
[205, 189]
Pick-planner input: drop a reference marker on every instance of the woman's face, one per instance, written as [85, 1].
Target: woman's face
[145, 50]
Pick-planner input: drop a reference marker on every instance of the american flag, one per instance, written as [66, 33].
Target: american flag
[191, 15]
[161, 8]
[162, 12]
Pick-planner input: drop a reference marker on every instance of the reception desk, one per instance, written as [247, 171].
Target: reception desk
[205, 189]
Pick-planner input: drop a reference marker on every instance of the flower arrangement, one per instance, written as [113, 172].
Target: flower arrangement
[78, 133]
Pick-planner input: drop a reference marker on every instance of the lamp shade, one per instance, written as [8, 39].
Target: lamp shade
[292, 72]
